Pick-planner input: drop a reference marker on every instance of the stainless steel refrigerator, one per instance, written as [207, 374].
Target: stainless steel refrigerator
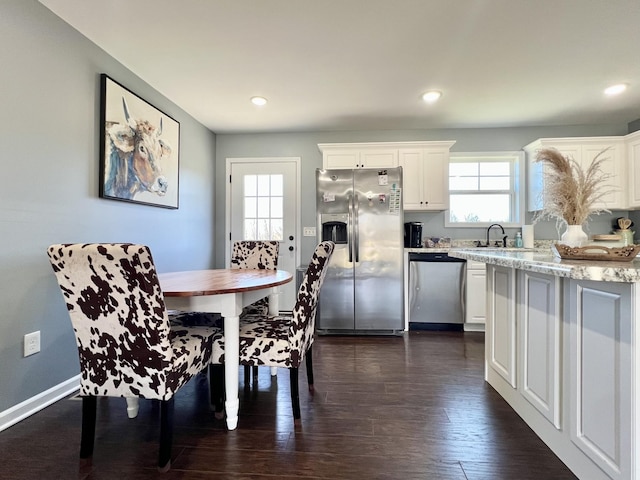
[361, 211]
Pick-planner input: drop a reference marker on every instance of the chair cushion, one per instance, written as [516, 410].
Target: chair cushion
[192, 347]
[263, 341]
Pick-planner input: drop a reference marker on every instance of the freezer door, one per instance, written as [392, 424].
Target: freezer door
[334, 189]
[378, 249]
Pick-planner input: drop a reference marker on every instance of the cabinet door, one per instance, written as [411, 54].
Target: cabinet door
[412, 184]
[426, 176]
[476, 297]
[612, 166]
[501, 322]
[539, 352]
[601, 377]
[435, 174]
[582, 150]
[340, 159]
[536, 171]
[378, 158]
[633, 161]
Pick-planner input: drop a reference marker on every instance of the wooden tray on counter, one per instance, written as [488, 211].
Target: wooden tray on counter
[596, 252]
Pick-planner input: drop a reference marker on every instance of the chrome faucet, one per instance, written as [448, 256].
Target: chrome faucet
[504, 237]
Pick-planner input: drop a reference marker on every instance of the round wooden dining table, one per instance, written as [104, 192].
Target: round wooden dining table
[225, 291]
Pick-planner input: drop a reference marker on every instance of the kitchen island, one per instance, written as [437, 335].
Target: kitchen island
[561, 347]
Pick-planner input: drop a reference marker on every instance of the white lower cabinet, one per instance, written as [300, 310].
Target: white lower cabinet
[601, 374]
[500, 337]
[475, 296]
[561, 353]
[539, 343]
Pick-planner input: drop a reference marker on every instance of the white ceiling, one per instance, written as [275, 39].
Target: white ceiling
[364, 64]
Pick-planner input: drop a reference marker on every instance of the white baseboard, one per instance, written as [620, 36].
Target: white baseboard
[474, 327]
[35, 404]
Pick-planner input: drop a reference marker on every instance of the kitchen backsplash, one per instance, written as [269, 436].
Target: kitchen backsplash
[447, 242]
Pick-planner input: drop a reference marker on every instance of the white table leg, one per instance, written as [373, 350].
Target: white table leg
[132, 406]
[231, 354]
[274, 307]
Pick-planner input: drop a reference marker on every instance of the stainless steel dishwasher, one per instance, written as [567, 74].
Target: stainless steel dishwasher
[436, 291]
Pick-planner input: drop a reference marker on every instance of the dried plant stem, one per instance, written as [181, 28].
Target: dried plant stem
[570, 192]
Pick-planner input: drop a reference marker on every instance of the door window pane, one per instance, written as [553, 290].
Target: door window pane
[250, 207]
[277, 185]
[250, 229]
[263, 185]
[277, 210]
[277, 229]
[250, 185]
[263, 207]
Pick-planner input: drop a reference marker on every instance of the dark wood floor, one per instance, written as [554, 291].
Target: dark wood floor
[385, 408]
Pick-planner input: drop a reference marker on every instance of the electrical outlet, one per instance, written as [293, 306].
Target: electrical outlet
[31, 343]
[309, 231]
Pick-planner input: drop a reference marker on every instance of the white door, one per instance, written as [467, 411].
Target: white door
[263, 196]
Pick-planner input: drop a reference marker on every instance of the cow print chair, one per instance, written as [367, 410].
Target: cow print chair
[261, 255]
[284, 340]
[126, 345]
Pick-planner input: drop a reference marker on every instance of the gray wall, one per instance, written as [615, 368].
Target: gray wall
[305, 145]
[49, 109]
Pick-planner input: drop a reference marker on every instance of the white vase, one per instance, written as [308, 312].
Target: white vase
[574, 236]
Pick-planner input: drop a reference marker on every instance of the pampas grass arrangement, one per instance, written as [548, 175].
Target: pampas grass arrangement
[570, 192]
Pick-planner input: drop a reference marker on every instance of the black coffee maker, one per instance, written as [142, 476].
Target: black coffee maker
[413, 235]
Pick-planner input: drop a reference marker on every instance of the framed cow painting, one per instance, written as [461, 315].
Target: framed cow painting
[139, 149]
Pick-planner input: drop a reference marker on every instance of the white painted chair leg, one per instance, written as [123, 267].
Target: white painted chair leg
[274, 371]
[132, 407]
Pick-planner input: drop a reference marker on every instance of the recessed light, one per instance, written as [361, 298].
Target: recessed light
[258, 101]
[615, 89]
[431, 96]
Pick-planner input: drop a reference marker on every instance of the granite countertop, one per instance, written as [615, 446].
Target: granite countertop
[544, 261]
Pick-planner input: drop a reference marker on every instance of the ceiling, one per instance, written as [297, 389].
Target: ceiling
[364, 64]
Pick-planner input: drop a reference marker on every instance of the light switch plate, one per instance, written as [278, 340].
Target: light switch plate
[309, 231]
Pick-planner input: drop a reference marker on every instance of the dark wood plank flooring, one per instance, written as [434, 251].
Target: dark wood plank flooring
[413, 407]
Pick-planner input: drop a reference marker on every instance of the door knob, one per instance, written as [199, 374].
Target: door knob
[290, 237]
[291, 249]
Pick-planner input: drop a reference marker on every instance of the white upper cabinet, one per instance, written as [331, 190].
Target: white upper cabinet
[583, 150]
[358, 155]
[633, 154]
[426, 176]
[425, 167]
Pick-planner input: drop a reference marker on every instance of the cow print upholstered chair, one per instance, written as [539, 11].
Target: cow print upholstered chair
[284, 340]
[125, 343]
[261, 255]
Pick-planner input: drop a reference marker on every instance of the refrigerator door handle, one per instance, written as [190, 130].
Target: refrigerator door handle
[356, 228]
[350, 228]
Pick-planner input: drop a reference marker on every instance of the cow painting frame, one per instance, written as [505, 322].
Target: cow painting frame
[139, 149]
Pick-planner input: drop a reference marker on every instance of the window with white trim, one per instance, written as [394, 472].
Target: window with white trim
[485, 188]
